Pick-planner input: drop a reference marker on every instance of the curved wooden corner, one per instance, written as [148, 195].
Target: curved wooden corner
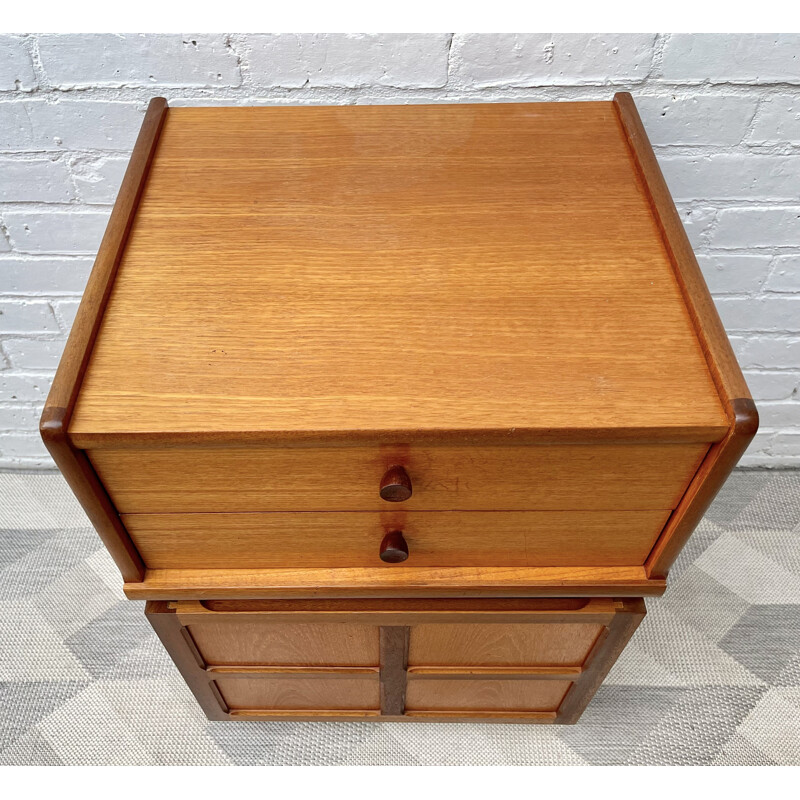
[54, 423]
[745, 417]
[723, 367]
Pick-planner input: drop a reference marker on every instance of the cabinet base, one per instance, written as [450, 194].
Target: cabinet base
[514, 660]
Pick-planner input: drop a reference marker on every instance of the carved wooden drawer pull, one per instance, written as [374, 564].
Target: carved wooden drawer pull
[394, 548]
[395, 485]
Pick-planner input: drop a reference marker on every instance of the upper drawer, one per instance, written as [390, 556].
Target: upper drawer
[540, 477]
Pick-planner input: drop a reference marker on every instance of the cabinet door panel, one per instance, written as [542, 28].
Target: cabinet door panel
[501, 644]
[487, 695]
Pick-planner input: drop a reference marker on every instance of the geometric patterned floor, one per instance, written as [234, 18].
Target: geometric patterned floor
[712, 676]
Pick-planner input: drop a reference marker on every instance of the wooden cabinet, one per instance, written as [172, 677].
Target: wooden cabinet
[396, 412]
[510, 660]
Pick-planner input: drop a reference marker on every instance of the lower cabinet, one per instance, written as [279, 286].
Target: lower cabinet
[509, 660]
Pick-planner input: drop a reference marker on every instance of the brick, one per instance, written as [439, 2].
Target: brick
[697, 222]
[65, 311]
[732, 176]
[34, 180]
[348, 60]
[18, 417]
[24, 449]
[702, 120]
[69, 124]
[786, 444]
[777, 313]
[16, 69]
[777, 121]
[135, 59]
[779, 414]
[757, 227]
[771, 351]
[785, 275]
[4, 245]
[34, 354]
[24, 386]
[773, 385]
[734, 274]
[761, 442]
[732, 58]
[98, 179]
[56, 231]
[50, 276]
[544, 59]
[771, 448]
[25, 316]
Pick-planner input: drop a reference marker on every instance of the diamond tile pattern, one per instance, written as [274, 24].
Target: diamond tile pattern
[712, 676]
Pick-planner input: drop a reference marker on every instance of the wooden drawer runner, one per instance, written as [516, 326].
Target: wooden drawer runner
[444, 478]
[510, 660]
[342, 539]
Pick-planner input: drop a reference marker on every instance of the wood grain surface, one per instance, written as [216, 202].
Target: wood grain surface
[296, 644]
[533, 293]
[503, 644]
[734, 394]
[606, 650]
[569, 644]
[485, 695]
[445, 478]
[193, 584]
[394, 659]
[434, 538]
[68, 380]
[300, 692]
[386, 611]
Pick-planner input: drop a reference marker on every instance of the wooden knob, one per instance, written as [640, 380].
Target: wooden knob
[395, 485]
[394, 548]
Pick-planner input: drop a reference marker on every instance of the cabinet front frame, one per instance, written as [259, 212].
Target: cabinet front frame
[617, 619]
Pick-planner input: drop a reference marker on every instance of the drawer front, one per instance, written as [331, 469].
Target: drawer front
[485, 695]
[541, 477]
[361, 692]
[524, 659]
[501, 644]
[342, 539]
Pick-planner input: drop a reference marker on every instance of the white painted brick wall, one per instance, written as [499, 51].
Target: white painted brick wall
[16, 68]
[138, 60]
[352, 61]
[722, 110]
[731, 58]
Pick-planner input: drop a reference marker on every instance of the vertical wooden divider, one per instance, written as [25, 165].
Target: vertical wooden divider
[394, 661]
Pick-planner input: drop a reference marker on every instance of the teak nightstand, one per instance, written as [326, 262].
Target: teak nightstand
[396, 412]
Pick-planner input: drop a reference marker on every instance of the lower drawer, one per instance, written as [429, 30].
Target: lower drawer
[510, 659]
[435, 538]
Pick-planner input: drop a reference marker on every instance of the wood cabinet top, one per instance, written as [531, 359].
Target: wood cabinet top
[397, 271]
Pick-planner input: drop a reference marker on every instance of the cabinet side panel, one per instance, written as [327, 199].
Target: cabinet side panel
[169, 630]
[63, 395]
[723, 367]
[604, 654]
